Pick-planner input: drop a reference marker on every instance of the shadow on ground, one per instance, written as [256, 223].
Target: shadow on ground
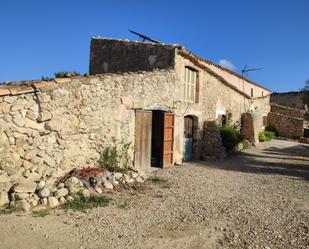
[285, 158]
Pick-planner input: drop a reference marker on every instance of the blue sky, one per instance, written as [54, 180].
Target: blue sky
[39, 37]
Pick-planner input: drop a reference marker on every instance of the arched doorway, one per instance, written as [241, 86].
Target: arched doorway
[190, 136]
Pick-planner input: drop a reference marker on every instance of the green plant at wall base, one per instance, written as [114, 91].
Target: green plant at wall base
[269, 135]
[116, 157]
[266, 136]
[230, 137]
[262, 137]
[272, 129]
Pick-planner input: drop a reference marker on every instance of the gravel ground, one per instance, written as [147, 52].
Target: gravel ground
[255, 199]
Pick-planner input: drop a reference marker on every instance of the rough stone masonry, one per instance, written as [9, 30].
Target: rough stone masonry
[67, 123]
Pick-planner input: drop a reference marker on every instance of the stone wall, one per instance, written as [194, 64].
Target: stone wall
[216, 97]
[289, 122]
[110, 55]
[292, 112]
[286, 126]
[291, 99]
[69, 121]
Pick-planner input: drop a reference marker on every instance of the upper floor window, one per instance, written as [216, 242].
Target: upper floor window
[191, 85]
[251, 92]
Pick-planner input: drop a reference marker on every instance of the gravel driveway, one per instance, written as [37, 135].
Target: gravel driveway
[255, 199]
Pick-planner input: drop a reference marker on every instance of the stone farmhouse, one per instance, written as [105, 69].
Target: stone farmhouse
[162, 99]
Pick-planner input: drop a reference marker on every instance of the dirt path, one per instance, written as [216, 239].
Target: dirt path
[256, 199]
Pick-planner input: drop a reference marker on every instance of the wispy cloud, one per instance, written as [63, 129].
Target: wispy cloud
[227, 64]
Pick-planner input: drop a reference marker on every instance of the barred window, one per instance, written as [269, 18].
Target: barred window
[190, 85]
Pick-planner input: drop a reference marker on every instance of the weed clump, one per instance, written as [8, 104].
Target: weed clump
[82, 203]
[161, 182]
[115, 157]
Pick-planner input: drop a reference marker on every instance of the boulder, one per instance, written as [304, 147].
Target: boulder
[3, 178]
[99, 190]
[74, 185]
[139, 179]
[4, 198]
[7, 164]
[41, 185]
[86, 193]
[69, 198]
[62, 200]
[24, 205]
[34, 177]
[19, 120]
[108, 185]
[118, 176]
[33, 202]
[44, 192]
[134, 175]
[44, 201]
[21, 196]
[61, 192]
[53, 202]
[25, 187]
[60, 185]
[128, 179]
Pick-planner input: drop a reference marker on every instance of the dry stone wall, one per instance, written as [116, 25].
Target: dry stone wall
[69, 121]
[286, 126]
[293, 112]
[291, 99]
[289, 122]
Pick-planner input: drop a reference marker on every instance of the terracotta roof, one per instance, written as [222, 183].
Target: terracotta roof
[17, 88]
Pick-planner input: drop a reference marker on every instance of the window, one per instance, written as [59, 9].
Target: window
[251, 92]
[191, 91]
[262, 93]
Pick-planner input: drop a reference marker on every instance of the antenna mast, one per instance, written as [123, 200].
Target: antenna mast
[144, 37]
[244, 71]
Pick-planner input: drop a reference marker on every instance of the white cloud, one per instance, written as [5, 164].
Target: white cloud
[227, 64]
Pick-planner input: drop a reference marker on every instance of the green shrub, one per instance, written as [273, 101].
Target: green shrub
[271, 128]
[230, 137]
[269, 135]
[262, 137]
[116, 157]
[266, 136]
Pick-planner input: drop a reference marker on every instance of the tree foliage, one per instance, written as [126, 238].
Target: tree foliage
[305, 90]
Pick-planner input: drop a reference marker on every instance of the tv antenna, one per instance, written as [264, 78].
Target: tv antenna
[145, 38]
[245, 71]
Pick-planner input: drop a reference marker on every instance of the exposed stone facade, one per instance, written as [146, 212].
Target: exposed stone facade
[48, 128]
[289, 122]
[289, 99]
[110, 56]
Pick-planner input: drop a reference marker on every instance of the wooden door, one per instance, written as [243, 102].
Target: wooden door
[143, 126]
[168, 139]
